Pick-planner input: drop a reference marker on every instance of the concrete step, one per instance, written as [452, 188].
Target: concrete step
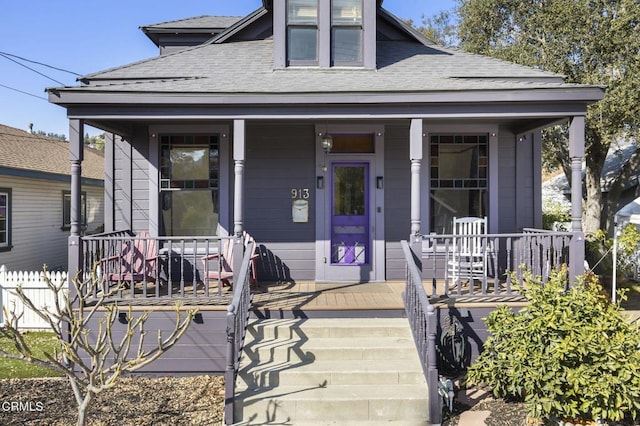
[357, 403]
[331, 371]
[335, 372]
[390, 348]
[329, 327]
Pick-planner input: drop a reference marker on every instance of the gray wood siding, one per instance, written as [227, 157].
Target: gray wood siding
[131, 182]
[37, 236]
[518, 178]
[122, 184]
[202, 350]
[279, 158]
[397, 194]
[140, 180]
[507, 183]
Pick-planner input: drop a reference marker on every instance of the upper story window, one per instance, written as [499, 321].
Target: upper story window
[302, 32]
[325, 33]
[346, 32]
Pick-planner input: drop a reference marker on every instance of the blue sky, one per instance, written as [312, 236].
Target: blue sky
[84, 37]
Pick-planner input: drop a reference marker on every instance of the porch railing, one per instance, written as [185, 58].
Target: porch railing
[237, 317]
[144, 267]
[489, 263]
[422, 319]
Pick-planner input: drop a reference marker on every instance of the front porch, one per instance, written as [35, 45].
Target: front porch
[145, 270]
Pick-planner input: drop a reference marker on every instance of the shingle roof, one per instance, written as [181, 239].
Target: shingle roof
[200, 22]
[247, 67]
[22, 150]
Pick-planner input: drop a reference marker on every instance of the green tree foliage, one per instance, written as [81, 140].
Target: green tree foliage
[440, 28]
[51, 135]
[593, 42]
[568, 354]
[96, 142]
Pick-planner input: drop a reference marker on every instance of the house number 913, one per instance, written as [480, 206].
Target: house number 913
[300, 193]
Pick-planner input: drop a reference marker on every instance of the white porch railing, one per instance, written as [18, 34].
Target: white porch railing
[35, 288]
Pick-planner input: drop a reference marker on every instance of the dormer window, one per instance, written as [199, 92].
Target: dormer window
[346, 32]
[302, 32]
[324, 33]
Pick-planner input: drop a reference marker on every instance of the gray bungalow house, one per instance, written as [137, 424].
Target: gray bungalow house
[330, 132]
[269, 89]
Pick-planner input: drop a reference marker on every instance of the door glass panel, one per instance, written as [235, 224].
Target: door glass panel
[349, 191]
[350, 218]
[353, 144]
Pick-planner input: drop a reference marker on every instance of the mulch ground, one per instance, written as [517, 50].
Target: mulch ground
[133, 401]
[501, 412]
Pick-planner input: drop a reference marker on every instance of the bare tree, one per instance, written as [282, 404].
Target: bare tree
[91, 359]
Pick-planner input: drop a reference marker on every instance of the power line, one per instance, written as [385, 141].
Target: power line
[40, 63]
[23, 92]
[31, 69]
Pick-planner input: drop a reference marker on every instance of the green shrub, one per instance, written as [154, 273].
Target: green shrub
[554, 212]
[628, 249]
[568, 354]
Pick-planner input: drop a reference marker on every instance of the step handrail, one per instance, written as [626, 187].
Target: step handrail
[422, 320]
[237, 318]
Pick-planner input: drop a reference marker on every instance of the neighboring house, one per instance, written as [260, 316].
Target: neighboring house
[330, 131]
[35, 199]
[556, 190]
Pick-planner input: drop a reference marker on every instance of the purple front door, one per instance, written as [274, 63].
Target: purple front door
[350, 214]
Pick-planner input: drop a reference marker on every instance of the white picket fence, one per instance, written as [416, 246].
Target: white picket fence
[35, 288]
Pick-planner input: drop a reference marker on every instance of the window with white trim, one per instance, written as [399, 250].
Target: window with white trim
[66, 209]
[5, 219]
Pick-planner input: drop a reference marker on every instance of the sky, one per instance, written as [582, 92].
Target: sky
[84, 37]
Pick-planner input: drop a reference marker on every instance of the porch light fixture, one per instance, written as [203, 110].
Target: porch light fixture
[327, 142]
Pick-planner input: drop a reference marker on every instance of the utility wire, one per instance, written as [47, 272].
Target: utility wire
[39, 63]
[31, 69]
[23, 92]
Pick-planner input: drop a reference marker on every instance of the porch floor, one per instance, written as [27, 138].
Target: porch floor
[311, 299]
[307, 298]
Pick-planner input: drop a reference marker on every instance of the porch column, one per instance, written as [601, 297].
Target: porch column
[415, 152]
[76, 155]
[238, 193]
[576, 152]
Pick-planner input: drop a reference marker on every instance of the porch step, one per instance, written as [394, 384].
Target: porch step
[331, 371]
